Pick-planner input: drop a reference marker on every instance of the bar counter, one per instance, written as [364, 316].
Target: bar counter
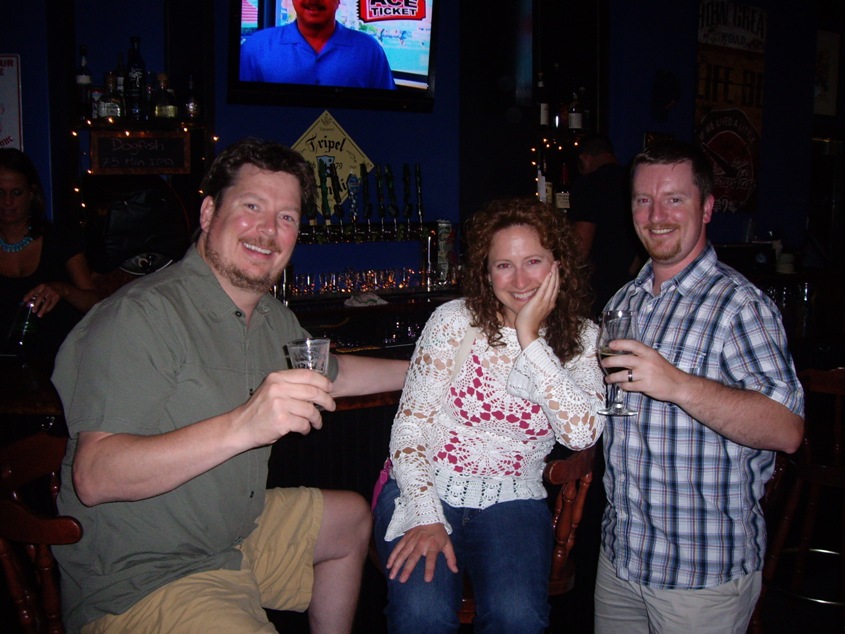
[388, 329]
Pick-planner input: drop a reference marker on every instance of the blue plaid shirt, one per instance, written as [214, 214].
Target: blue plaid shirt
[683, 501]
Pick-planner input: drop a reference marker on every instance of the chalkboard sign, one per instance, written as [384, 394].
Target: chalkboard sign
[140, 152]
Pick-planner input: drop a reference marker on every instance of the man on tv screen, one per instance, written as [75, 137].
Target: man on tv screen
[315, 50]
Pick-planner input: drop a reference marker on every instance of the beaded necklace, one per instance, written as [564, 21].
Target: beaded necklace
[14, 247]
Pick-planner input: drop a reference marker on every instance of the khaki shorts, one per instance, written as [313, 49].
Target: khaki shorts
[277, 572]
[628, 608]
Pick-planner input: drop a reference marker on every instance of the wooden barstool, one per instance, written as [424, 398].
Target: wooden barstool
[819, 464]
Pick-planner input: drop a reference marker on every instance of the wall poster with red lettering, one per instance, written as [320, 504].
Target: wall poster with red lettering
[729, 100]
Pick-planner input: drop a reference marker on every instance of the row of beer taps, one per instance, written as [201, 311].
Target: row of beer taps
[361, 225]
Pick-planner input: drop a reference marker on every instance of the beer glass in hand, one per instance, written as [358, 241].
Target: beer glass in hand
[615, 324]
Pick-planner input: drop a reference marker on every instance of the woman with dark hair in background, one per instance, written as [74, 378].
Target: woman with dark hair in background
[471, 436]
[38, 265]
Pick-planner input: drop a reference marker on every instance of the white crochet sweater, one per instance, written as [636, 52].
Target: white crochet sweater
[482, 437]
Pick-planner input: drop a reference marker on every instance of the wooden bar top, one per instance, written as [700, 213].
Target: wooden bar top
[26, 390]
[380, 399]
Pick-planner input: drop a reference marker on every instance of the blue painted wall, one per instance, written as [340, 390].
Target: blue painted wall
[644, 37]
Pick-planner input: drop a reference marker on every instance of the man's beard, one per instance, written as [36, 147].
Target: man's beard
[661, 251]
[239, 279]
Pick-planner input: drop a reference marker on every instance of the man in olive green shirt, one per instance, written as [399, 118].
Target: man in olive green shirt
[174, 390]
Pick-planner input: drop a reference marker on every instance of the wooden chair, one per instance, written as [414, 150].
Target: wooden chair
[818, 464]
[29, 484]
[573, 475]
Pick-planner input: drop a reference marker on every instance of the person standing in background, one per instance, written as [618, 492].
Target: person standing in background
[600, 211]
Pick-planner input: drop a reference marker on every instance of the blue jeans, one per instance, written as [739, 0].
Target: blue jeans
[506, 551]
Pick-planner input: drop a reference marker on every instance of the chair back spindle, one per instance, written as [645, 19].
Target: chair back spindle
[29, 526]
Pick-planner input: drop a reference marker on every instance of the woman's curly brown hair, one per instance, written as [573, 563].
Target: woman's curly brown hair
[563, 325]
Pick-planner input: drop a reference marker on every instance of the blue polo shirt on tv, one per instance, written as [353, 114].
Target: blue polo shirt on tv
[349, 59]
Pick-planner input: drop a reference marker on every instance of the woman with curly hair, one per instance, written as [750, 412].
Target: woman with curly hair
[496, 378]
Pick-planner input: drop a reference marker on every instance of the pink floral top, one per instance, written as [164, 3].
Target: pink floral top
[482, 437]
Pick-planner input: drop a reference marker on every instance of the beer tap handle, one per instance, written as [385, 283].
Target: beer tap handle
[353, 186]
[365, 192]
[408, 207]
[338, 206]
[418, 185]
[392, 207]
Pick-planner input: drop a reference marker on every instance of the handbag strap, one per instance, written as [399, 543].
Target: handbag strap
[463, 349]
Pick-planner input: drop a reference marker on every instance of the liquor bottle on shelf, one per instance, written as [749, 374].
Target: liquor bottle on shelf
[150, 86]
[553, 90]
[94, 101]
[163, 104]
[542, 98]
[576, 114]
[83, 85]
[111, 103]
[562, 190]
[119, 73]
[191, 109]
[545, 186]
[133, 83]
[586, 109]
[543, 144]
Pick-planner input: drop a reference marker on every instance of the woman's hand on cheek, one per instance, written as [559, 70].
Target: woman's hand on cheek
[534, 313]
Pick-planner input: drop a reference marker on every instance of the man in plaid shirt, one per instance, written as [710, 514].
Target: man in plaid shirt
[715, 391]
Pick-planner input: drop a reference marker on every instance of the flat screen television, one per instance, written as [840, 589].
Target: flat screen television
[405, 30]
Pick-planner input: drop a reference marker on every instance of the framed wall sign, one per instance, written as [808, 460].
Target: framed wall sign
[140, 152]
[11, 128]
[729, 99]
